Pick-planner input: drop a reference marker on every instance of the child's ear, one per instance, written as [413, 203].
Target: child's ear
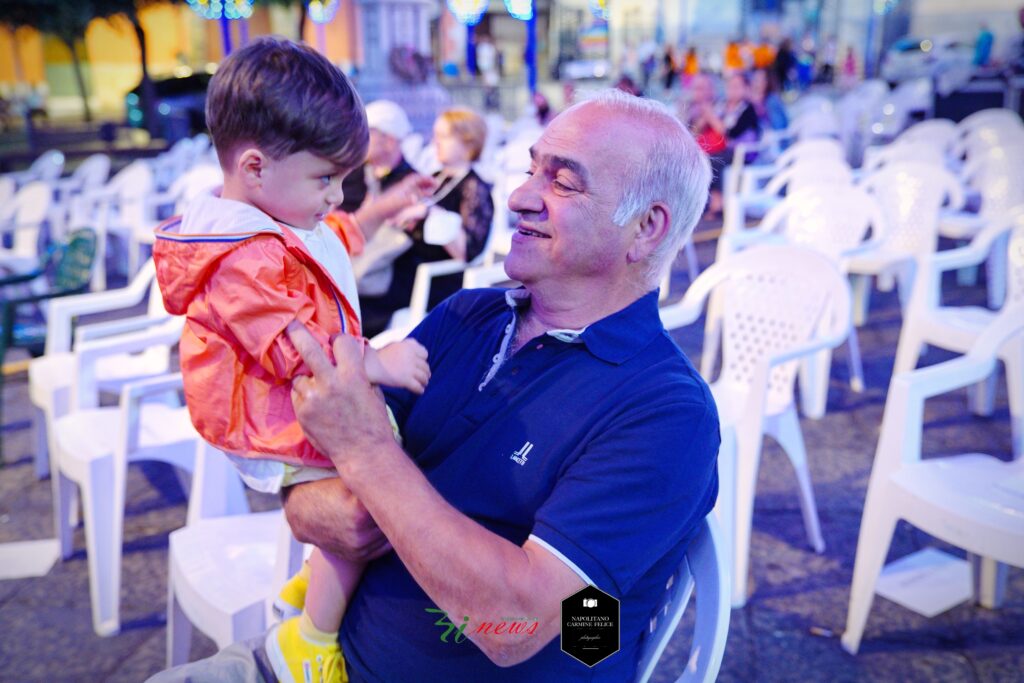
[250, 166]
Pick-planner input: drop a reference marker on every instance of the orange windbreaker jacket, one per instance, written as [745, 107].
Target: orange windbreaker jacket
[240, 278]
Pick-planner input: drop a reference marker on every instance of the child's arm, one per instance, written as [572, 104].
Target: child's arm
[401, 364]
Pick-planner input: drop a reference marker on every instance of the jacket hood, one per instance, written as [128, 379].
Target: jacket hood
[188, 247]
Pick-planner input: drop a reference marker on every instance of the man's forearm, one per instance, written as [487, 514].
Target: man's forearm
[464, 568]
[327, 515]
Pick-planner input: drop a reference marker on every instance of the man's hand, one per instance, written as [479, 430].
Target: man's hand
[326, 514]
[401, 364]
[340, 412]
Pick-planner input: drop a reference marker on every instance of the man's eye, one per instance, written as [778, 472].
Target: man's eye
[558, 184]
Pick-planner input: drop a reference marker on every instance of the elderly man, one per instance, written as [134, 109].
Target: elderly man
[563, 440]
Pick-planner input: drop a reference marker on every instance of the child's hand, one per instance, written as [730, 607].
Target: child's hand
[401, 364]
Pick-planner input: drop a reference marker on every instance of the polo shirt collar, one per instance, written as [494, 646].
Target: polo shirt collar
[614, 339]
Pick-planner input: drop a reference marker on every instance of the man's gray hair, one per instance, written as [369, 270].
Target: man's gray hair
[675, 171]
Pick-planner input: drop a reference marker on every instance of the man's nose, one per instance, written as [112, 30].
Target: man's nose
[525, 198]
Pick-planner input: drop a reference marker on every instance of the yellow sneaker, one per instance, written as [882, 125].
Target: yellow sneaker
[298, 660]
[292, 598]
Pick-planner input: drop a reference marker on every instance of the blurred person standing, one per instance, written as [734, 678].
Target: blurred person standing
[764, 96]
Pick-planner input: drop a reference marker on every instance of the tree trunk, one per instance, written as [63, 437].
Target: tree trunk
[302, 19]
[70, 42]
[148, 93]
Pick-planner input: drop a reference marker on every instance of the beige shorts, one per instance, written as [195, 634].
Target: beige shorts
[270, 476]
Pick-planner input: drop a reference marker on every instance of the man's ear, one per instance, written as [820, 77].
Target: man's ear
[650, 231]
[250, 167]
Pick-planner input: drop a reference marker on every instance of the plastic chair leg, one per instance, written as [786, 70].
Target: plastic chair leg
[103, 528]
[814, 376]
[692, 269]
[989, 580]
[42, 455]
[1013, 359]
[861, 298]
[876, 530]
[712, 336]
[725, 507]
[65, 500]
[909, 348]
[785, 428]
[854, 363]
[981, 397]
[748, 455]
[179, 630]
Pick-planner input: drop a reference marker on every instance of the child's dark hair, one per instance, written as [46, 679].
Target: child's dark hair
[284, 98]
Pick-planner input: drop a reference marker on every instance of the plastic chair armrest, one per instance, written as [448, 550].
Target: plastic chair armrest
[20, 279]
[90, 351]
[112, 328]
[63, 311]
[421, 285]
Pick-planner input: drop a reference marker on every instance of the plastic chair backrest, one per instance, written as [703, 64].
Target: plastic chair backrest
[990, 117]
[92, 173]
[133, 184]
[704, 567]
[197, 180]
[27, 211]
[811, 148]
[923, 151]
[831, 218]
[48, 166]
[940, 132]
[811, 170]
[777, 298]
[911, 195]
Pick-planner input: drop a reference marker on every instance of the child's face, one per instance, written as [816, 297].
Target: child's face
[299, 189]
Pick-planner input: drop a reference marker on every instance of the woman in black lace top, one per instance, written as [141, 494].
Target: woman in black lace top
[459, 136]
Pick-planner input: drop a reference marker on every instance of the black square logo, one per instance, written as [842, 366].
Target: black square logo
[590, 625]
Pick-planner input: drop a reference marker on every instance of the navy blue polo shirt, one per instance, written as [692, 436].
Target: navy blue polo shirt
[602, 448]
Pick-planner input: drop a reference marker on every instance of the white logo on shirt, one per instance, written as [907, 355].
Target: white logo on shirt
[520, 455]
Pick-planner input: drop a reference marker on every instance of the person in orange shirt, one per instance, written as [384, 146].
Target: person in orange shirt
[691, 65]
[764, 55]
[733, 58]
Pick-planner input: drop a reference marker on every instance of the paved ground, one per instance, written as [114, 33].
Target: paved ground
[783, 634]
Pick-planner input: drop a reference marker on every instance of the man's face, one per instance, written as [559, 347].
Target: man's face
[381, 149]
[565, 231]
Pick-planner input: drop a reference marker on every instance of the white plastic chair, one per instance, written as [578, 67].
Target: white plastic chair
[810, 170]
[990, 117]
[780, 304]
[90, 175]
[92, 448]
[972, 501]
[121, 206]
[911, 195]
[173, 163]
[224, 568]
[942, 133]
[199, 179]
[46, 168]
[50, 376]
[832, 219]
[705, 567]
[922, 151]
[24, 215]
[998, 177]
[957, 328]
